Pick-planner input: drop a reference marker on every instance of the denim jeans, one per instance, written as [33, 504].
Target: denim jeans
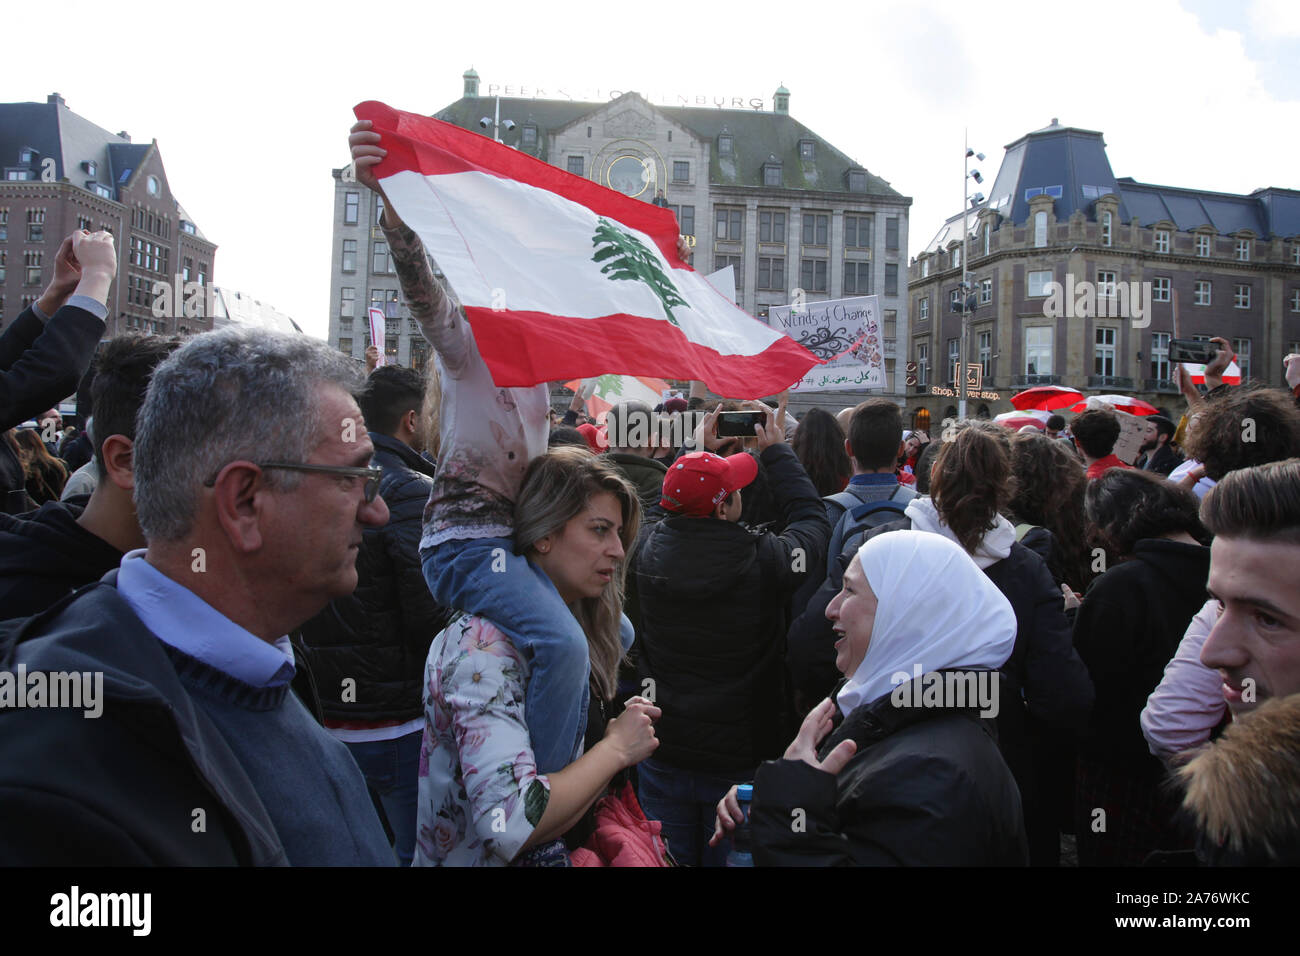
[484, 576]
[392, 768]
[686, 803]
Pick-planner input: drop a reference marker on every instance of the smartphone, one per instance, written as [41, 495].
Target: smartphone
[738, 424]
[1192, 350]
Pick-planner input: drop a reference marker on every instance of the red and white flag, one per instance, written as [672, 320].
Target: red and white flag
[1231, 375]
[562, 278]
[376, 317]
[611, 389]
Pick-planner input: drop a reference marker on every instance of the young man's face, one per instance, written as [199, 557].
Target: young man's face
[1255, 645]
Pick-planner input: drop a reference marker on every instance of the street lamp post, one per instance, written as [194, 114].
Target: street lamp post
[964, 293]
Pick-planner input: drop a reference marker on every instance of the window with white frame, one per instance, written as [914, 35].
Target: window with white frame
[985, 340]
[1038, 350]
[987, 230]
[925, 267]
[1295, 300]
[347, 301]
[1040, 229]
[986, 291]
[954, 353]
[1201, 293]
[1241, 296]
[1160, 289]
[1203, 246]
[1242, 348]
[1106, 284]
[1243, 250]
[954, 300]
[1160, 368]
[922, 363]
[1036, 283]
[1162, 240]
[923, 310]
[956, 257]
[1105, 228]
[1295, 253]
[1104, 353]
[351, 208]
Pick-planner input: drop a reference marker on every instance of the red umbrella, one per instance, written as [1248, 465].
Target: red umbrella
[1013, 420]
[1046, 397]
[1121, 403]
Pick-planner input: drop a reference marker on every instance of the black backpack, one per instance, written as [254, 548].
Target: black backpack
[859, 515]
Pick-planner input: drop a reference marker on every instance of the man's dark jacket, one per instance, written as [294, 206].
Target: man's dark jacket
[714, 611]
[646, 475]
[1162, 461]
[926, 787]
[40, 364]
[119, 789]
[379, 636]
[45, 556]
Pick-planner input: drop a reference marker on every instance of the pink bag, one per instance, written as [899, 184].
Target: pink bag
[623, 837]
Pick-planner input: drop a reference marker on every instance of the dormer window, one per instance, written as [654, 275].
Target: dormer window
[806, 149]
[90, 166]
[771, 172]
[99, 189]
[857, 181]
[26, 155]
[725, 144]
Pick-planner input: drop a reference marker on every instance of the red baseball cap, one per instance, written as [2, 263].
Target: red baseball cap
[594, 437]
[695, 483]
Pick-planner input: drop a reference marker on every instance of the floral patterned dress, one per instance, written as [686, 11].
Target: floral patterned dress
[480, 793]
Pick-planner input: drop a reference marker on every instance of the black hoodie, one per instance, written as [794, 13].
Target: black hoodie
[45, 555]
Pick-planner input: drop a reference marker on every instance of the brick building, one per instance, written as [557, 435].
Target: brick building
[63, 173]
[1228, 264]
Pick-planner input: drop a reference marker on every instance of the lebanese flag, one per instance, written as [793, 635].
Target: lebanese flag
[1231, 375]
[612, 389]
[562, 278]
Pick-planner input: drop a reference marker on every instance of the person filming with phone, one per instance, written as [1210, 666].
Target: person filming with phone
[713, 606]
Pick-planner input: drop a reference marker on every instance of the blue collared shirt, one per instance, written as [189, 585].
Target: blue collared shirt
[181, 619]
[875, 478]
[94, 307]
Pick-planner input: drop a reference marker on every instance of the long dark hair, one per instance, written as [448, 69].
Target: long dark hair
[1126, 505]
[46, 475]
[819, 445]
[1050, 484]
[971, 481]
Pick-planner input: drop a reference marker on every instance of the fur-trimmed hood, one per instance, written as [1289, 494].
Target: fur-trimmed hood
[1244, 790]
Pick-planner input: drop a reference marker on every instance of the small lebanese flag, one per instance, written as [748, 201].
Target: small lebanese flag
[377, 332]
[612, 389]
[562, 278]
[1232, 376]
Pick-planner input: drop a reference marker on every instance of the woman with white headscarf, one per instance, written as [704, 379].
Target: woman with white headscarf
[898, 767]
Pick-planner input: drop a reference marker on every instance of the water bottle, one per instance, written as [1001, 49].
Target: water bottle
[740, 853]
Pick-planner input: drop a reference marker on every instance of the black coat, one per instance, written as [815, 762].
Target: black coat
[1128, 628]
[713, 616]
[45, 556]
[40, 364]
[927, 787]
[379, 636]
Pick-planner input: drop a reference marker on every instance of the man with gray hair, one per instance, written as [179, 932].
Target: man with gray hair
[252, 486]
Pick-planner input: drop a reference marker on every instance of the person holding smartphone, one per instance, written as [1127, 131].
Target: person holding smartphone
[714, 609]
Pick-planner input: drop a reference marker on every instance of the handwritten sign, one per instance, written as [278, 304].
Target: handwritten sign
[845, 333]
[376, 317]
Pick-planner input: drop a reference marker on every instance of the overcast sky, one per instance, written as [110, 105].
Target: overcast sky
[251, 102]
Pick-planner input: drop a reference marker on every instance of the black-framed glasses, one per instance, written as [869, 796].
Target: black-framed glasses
[371, 473]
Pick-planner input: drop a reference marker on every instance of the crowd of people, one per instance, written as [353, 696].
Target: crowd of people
[346, 616]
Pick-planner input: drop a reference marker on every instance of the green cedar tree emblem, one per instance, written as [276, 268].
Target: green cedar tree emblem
[629, 259]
